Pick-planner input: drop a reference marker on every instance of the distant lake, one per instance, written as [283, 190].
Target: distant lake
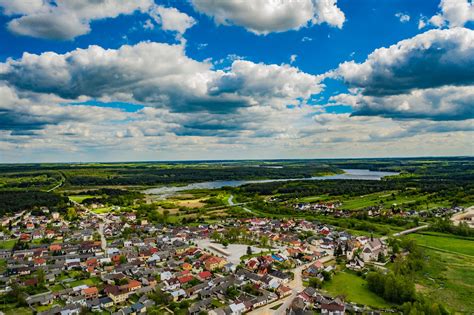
[348, 174]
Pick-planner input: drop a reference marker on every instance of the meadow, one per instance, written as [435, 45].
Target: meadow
[445, 243]
[354, 289]
[449, 272]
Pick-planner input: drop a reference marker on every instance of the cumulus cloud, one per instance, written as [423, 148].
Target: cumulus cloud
[25, 113]
[432, 59]
[453, 13]
[424, 77]
[159, 75]
[266, 16]
[171, 19]
[67, 19]
[444, 103]
[282, 85]
[403, 17]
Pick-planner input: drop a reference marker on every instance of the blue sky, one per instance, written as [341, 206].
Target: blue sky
[207, 79]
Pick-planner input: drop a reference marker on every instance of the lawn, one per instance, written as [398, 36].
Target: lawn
[354, 288]
[8, 244]
[90, 282]
[102, 210]
[80, 198]
[276, 306]
[13, 309]
[445, 242]
[3, 265]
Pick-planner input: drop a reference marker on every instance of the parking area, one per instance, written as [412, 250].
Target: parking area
[235, 250]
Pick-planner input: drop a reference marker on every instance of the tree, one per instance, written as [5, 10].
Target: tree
[71, 214]
[249, 250]
[326, 275]
[166, 213]
[41, 276]
[225, 243]
[264, 241]
[381, 257]
[123, 259]
[232, 292]
[315, 283]
[215, 236]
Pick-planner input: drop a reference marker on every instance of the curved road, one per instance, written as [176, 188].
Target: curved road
[232, 204]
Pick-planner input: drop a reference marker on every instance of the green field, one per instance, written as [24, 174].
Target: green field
[7, 244]
[354, 289]
[449, 273]
[384, 198]
[448, 278]
[445, 243]
[80, 198]
[102, 210]
[90, 282]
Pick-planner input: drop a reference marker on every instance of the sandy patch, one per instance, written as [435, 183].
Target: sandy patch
[194, 203]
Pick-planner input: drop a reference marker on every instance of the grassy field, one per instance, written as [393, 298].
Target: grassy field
[89, 282]
[384, 198]
[7, 244]
[449, 273]
[448, 278]
[13, 309]
[102, 210]
[354, 288]
[445, 243]
[80, 198]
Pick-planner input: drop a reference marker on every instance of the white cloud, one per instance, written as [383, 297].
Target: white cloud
[432, 59]
[61, 19]
[444, 103]
[422, 22]
[265, 84]
[148, 25]
[158, 75]
[171, 19]
[403, 17]
[453, 13]
[67, 19]
[293, 58]
[421, 77]
[266, 16]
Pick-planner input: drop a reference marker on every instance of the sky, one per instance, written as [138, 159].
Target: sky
[145, 80]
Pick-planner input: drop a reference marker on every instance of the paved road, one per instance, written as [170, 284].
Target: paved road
[100, 229]
[232, 204]
[413, 230]
[57, 186]
[296, 285]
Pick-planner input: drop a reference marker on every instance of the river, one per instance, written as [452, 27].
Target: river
[348, 174]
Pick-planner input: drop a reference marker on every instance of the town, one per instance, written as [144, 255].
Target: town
[121, 265]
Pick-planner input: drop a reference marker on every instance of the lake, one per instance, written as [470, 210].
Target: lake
[357, 174]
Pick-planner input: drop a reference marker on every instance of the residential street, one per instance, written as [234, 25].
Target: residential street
[296, 285]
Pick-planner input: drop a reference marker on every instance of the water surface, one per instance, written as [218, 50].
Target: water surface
[348, 174]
